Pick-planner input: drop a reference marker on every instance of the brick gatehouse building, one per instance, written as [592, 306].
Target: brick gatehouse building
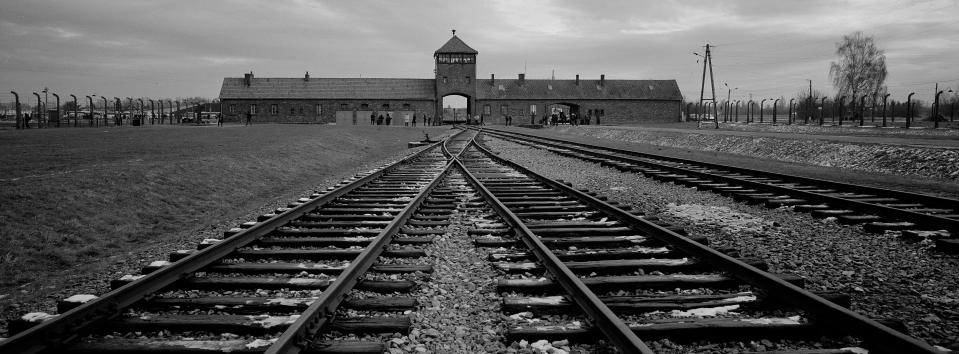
[352, 100]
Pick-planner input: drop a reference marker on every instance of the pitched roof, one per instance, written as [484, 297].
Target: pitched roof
[587, 89]
[329, 88]
[455, 45]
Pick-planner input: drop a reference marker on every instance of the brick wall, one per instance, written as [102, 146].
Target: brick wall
[304, 110]
[616, 111]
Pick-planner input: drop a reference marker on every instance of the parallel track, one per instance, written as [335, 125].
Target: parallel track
[877, 209]
[618, 268]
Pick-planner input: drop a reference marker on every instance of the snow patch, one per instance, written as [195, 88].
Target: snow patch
[80, 298]
[704, 312]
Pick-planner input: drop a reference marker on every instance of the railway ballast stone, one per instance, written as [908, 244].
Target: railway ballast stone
[932, 162]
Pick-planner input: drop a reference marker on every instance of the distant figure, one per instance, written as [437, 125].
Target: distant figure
[249, 118]
[414, 119]
[372, 118]
[379, 120]
[219, 120]
[508, 119]
[26, 120]
[389, 118]
[406, 119]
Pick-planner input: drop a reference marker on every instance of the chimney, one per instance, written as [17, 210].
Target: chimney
[492, 79]
[248, 79]
[602, 80]
[522, 78]
[307, 77]
[577, 79]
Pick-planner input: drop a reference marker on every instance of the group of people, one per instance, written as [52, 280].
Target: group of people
[408, 119]
[562, 118]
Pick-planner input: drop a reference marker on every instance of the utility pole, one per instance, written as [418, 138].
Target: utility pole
[811, 108]
[708, 61]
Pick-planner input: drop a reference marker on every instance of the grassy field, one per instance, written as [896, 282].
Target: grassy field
[69, 197]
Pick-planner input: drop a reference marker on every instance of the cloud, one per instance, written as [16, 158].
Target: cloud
[185, 48]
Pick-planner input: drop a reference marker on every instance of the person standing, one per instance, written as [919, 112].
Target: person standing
[389, 118]
[249, 118]
[372, 118]
[414, 119]
[406, 119]
[219, 120]
[379, 119]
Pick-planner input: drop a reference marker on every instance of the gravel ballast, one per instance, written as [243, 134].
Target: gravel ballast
[885, 276]
[922, 161]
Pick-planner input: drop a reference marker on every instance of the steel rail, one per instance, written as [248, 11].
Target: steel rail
[894, 213]
[603, 318]
[69, 326]
[881, 338]
[299, 336]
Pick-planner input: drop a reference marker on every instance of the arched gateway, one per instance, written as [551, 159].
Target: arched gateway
[353, 100]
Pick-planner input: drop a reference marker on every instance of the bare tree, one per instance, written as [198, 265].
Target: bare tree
[861, 69]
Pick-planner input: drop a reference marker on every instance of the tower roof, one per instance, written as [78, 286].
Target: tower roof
[456, 45]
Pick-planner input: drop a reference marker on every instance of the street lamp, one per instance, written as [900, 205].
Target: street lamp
[909, 109]
[729, 92]
[75, 107]
[16, 100]
[46, 103]
[774, 110]
[761, 104]
[104, 111]
[885, 100]
[935, 115]
[90, 100]
[117, 111]
[58, 108]
[38, 111]
[789, 119]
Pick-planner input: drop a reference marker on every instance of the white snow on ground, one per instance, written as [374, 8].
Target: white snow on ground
[730, 221]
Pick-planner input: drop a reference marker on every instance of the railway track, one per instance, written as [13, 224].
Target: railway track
[878, 210]
[566, 251]
[321, 274]
[297, 280]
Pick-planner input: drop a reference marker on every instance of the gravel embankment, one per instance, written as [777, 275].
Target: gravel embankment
[116, 266]
[930, 162]
[886, 277]
[871, 128]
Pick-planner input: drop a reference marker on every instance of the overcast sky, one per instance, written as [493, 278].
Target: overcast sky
[184, 48]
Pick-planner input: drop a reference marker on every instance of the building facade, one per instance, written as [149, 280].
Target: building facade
[353, 100]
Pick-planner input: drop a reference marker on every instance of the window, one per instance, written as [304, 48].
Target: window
[467, 79]
[487, 110]
[445, 79]
[232, 109]
[406, 106]
[532, 109]
[253, 109]
[386, 106]
[504, 109]
[469, 59]
[365, 106]
[274, 109]
[344, 106]
[319, 109]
